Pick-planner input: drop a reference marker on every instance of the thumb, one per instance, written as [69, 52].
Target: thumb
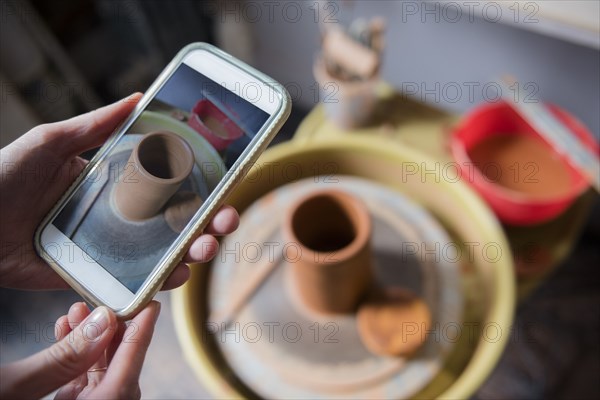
[74, 136]
[50, 369]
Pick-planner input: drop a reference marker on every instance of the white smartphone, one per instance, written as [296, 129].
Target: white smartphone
[126, 222]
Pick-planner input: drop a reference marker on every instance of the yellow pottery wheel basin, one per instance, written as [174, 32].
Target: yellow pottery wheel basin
[486, 263]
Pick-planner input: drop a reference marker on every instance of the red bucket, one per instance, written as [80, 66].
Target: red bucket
[210, 122]
[519, 198]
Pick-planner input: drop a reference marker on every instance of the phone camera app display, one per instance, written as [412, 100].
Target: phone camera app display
[158, 174]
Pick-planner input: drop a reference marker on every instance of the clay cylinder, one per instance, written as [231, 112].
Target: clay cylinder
[157, 167]
[349, 104]
[349, 54]
[328, 250]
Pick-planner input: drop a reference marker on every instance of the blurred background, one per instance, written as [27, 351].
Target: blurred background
[62, 58]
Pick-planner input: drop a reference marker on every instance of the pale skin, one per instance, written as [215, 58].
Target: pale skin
[36, 170]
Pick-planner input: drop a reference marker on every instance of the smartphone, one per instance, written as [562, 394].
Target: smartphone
[126, 222]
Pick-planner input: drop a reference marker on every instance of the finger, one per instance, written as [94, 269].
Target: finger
[61, 328]
[224, 222]
[75, 167]
[78, 312]
[83, 132]
[66, 359]
[116, 341]
[124, 370]
[202, 250]
[64, 325]
[97, 371]
[178, 277]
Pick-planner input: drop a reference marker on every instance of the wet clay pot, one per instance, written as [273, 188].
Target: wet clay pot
[328, 250]
[348, 103]
[393, 322]
[157, 167]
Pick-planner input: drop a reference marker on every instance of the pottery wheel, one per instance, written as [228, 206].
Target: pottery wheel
[128, 250]
[322, 356]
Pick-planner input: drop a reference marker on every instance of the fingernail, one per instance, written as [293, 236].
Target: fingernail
[74, 307]
[96, 323]
[130, 97]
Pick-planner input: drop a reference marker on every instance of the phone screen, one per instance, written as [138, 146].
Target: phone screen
[158, 174]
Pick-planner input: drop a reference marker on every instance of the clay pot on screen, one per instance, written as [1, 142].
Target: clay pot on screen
[157, 167]
[328, 250]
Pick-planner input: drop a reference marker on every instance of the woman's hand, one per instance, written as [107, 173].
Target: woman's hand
[95, 356]
[39, 167]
